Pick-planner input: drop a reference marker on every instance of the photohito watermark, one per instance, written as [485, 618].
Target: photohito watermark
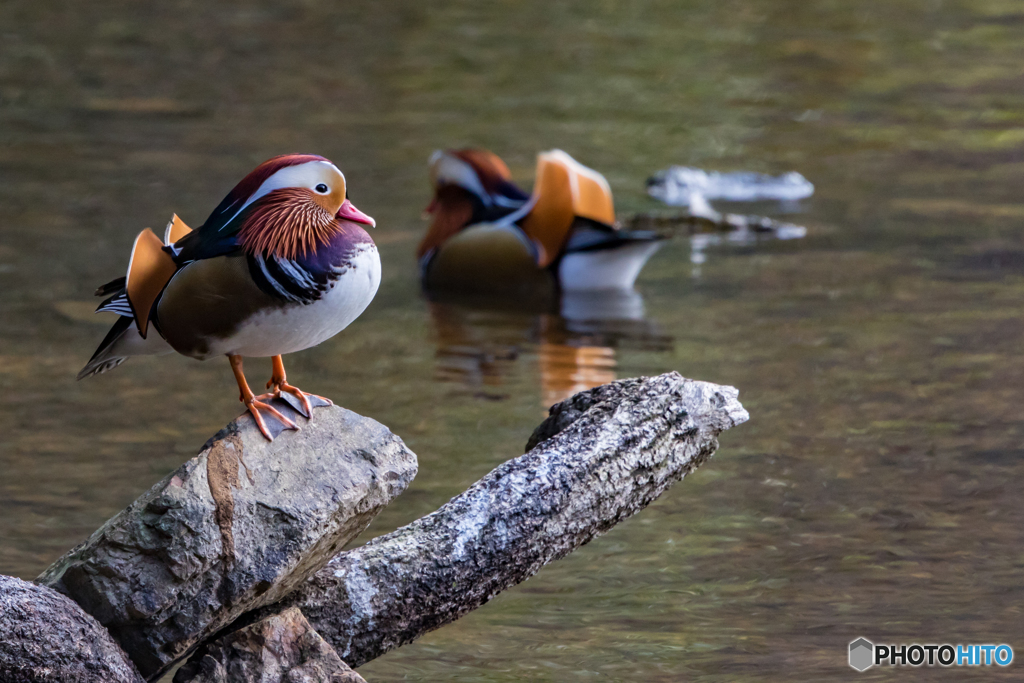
[864, 654]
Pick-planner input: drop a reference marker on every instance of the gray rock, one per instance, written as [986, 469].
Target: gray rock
[282, 648]
[237, 527]
[46, 638]
[600, 457]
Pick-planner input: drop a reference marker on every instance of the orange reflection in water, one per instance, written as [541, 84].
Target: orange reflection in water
[576, 341]
[566, 370]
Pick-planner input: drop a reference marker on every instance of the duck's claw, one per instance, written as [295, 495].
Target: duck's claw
[255, 405]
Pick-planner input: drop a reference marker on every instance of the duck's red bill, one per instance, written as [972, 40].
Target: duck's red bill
[349, 212]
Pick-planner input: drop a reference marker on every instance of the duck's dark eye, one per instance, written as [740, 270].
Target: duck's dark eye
[321, 188]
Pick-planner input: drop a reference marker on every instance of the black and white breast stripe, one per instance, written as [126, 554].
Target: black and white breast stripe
[289, 280]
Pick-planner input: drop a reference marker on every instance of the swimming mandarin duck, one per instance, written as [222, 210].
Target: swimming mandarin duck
[282, 264]
[486, 235]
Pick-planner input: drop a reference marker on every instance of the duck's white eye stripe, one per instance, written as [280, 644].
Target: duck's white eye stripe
[300, 175]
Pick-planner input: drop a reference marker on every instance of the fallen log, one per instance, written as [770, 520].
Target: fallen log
[701, 218]
[239, 526]
[46, 638]
[599, 458]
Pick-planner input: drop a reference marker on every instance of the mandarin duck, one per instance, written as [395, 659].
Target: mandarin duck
[282, 264]
[487, 236]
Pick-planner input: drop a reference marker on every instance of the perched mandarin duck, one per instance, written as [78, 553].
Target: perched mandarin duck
[488, 236]
[282, 264]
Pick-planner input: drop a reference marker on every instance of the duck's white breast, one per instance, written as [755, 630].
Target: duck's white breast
[299, 326]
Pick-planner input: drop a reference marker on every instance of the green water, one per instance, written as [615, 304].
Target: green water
[875, 491]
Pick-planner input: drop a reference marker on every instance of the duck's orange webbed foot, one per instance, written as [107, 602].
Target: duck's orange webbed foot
[254, 405]
[279, 384]
[302, 402]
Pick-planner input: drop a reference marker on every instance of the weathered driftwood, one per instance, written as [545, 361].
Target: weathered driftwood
[237, 527]
[46, 638]
[282, 647]
[702, 218]
[600, 457]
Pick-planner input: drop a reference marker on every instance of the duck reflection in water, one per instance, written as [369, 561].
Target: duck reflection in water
[504, 268]
[575, 337]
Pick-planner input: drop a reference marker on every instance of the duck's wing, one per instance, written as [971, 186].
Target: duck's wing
[588, 237]
[564, 190]
[150, 268]
[218, 236]
[175, 230]
[149, 271]
[209, 240]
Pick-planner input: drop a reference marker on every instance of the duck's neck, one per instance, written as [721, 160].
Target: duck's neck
[452, 211]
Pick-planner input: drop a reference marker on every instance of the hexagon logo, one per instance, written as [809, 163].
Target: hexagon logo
[862, 654]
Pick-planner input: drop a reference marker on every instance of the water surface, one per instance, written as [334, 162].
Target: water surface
[875, 491]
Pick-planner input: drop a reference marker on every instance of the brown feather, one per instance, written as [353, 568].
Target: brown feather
[149, 271]
[176, 229]
[550, 221]
[287, 223]
[453, 211]
[488, 166]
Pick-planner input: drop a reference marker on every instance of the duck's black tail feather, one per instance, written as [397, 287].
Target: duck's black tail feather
[113, 287]
[105, 359]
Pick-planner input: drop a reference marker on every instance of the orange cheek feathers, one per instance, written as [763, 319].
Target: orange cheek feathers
[332, 202]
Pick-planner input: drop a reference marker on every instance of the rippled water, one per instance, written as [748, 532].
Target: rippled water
[875, 491]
